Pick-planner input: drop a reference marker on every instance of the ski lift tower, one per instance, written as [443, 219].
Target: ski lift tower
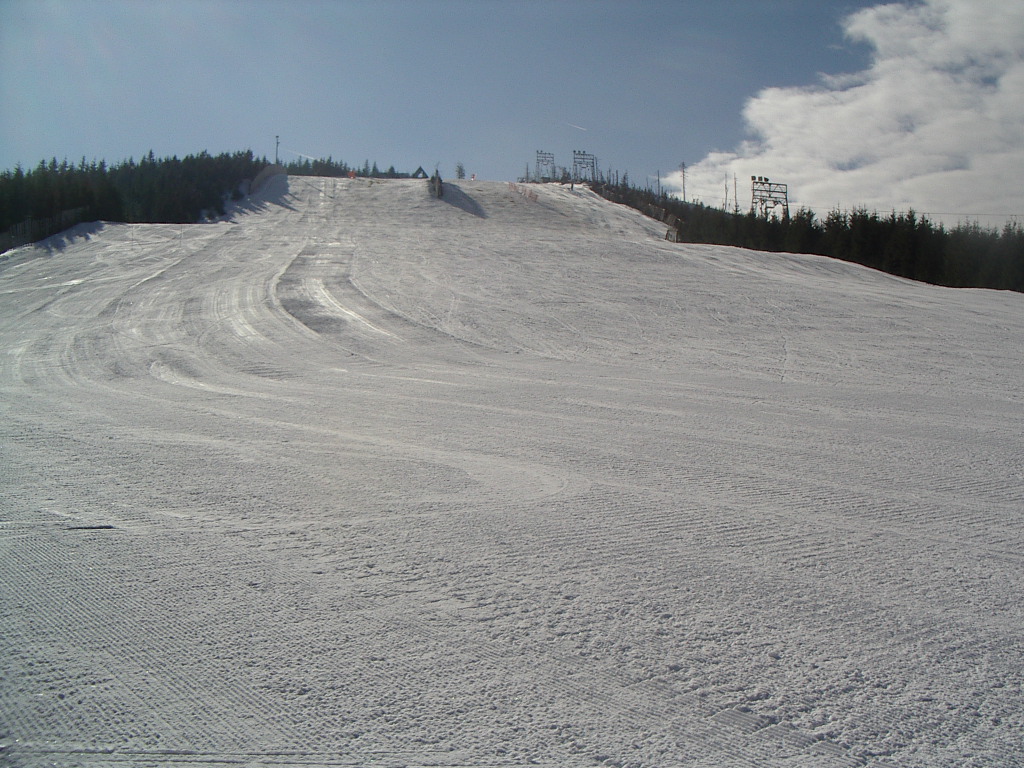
[584, 166]
[545, 166]
[766, 195]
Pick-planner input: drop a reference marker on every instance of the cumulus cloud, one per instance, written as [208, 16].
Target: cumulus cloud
[936, 123]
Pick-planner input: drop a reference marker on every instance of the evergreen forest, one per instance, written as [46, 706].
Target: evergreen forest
[169, 190]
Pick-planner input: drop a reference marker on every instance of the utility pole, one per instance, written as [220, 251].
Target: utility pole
[682, 170]
[277, 139]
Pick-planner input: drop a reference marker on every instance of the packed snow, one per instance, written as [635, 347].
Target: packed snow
[361, 477]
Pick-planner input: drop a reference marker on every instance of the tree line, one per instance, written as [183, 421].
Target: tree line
[170, 190]
[904, 244]
[329, 167]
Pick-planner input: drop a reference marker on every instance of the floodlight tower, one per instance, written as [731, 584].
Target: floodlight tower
[765, 195]
[545, 166]
[584, 165]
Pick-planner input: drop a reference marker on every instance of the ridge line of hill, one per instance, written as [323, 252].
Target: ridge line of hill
[54, 196]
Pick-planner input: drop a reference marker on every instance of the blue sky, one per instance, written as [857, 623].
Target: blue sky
[483, 82]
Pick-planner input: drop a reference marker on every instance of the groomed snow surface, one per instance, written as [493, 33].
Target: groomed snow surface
[367, 478]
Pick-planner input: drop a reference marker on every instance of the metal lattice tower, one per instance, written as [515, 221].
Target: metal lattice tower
[545, 166]
[765, 195]
[584, 166]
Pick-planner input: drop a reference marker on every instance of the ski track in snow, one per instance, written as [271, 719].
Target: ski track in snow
[365, 478]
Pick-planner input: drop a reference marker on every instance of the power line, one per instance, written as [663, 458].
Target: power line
[959, 213]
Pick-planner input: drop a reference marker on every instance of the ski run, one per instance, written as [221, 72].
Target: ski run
[364, 477]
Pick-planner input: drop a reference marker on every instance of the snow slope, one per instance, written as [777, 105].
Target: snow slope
[362, 477]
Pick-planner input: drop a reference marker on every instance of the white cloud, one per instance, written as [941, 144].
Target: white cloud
[936, 123]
